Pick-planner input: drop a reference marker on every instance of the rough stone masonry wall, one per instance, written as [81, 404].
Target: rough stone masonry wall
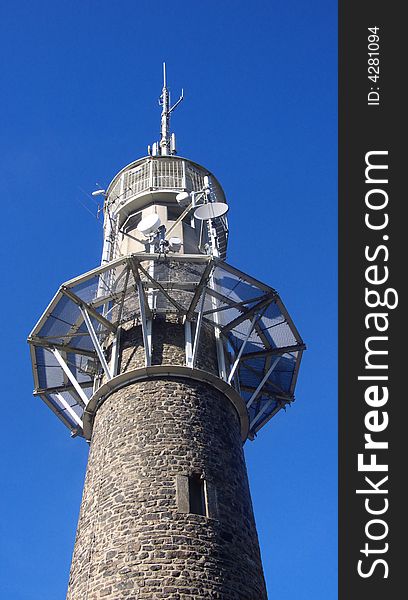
[134, 539]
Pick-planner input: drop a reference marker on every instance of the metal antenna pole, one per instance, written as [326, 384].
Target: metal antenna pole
[165, 117]
[165, 137]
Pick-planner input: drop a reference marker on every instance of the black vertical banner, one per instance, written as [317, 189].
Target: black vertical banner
[373, 332]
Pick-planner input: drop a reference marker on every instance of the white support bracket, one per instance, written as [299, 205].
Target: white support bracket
[95, 341]
[188, 344]
[262, 383]
[69, 410]
[149, 326]
[222, 369]
[70, 294]
[241, 350]
[146, 327]
[113, 366]
[70, 375]
[261, 412]
[255, 319]
[198, 331]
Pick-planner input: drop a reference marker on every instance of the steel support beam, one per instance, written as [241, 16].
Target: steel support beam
[222, 369]
[219, 345]
[140, 288]
[60, 388]
[200, 286]
[272, 414]
[231, 304]
[181, 217]
[145, 331]
[70, 335]
[122, 301]
[188, 344]
[245, 277]
[94, 313]
[280, 395]
[69, 410]
[261, 412]
[247, 314]
[113, 367]
[95, 272]
[241, 350]
[198, 331]
[70, 375]
[274, 351]
[178, 306]
[182, 286]
[288, 318]
[44, 343]
[263, 381]
[95, 342]
[60, 414]
[296, 372]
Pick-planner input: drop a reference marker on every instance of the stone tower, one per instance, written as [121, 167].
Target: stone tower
[165, 359]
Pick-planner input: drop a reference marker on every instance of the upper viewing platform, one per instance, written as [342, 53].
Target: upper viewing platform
[147, 179]
[181, 198]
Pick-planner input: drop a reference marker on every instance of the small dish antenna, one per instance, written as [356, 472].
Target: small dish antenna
[174, 244]
[211, 210]
[183, 199]
[149, 225]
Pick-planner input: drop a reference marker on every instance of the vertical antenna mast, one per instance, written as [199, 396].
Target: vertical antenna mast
[166, 147]
[165, 117]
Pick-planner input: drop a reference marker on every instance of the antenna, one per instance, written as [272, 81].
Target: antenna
[211, 210]
[167, 144]
[149, 225]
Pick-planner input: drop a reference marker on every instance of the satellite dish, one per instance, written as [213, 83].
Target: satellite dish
[149, 224]
[98, 192]
[211, 210]
[175, 244]
[183, 198]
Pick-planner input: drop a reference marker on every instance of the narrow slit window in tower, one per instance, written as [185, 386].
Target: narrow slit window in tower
[196, 489]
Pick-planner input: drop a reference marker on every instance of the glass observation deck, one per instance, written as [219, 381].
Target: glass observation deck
[260, 351]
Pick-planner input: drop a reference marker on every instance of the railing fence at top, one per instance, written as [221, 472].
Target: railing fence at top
[173, 174]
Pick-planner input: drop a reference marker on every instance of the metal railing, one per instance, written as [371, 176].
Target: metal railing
[153, 174]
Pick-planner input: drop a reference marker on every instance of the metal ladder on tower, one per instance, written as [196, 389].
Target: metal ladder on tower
[221, 229]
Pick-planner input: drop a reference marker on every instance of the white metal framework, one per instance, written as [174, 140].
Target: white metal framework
[258, 347]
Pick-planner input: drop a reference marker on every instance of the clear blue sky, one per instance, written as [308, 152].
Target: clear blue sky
[80, 82]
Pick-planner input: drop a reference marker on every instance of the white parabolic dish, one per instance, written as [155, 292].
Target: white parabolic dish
[183, 198]
[211, 210]
[149, 224]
